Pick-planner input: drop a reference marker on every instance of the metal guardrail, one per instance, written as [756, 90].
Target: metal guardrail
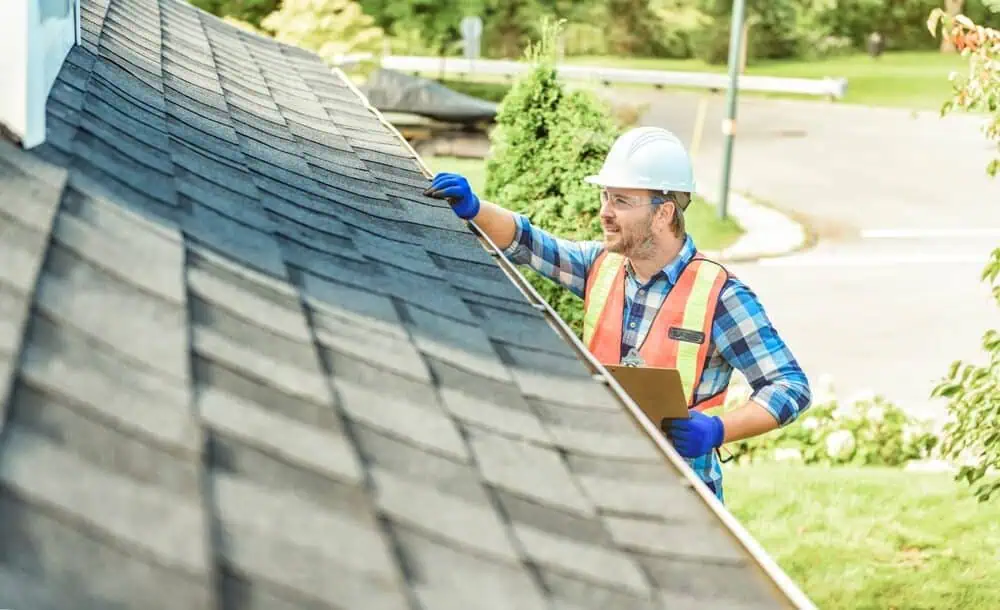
[834, 88]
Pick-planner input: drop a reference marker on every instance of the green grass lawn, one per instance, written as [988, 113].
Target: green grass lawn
[865, 538]
[709, 232]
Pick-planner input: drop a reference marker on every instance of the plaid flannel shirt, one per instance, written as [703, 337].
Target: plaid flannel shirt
[742, 335]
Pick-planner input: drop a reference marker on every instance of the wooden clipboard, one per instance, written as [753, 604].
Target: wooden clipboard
[657, 391]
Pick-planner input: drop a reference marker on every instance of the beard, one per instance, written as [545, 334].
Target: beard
[636, 243]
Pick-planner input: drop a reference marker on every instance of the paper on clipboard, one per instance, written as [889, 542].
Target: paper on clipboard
[657, 391]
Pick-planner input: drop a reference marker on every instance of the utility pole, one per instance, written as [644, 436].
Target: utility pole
[729, 123]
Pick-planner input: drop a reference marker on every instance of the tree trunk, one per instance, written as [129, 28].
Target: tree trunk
[952, 8]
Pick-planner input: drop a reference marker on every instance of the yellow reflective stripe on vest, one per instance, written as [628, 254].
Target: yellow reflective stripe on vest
[695, 311]
[599, 294]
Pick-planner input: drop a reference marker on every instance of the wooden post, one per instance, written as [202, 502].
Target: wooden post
[750, 21]
[743, 47]
[699, 124]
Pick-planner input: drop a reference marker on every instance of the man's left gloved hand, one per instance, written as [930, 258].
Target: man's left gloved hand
[456, 189]
[696, 436]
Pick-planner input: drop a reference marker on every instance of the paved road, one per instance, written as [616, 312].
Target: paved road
[890, 295]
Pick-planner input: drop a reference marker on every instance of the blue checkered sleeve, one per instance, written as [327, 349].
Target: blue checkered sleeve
[561, 260]
[746, 338]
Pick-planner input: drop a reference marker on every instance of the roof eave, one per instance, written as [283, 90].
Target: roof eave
[783, 585]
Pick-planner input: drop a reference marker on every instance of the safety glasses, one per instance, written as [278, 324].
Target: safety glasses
[623, 203]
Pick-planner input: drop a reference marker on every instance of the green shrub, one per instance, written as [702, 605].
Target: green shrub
[679, 23]
[546, 140]
[775, 32]
[973, 390]
[585, 39]
[863, 431]
[711, 44]
[810, 29]
[329, 28]
[899, 21]
[902, 22]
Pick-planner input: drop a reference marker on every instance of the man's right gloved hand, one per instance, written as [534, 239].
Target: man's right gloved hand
[455, 188]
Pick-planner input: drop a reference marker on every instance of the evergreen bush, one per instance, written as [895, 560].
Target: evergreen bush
[546, 140]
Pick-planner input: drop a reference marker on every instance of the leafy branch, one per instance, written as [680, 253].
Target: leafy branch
[973, 391]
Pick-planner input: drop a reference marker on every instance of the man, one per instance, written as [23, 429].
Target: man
[652, 299]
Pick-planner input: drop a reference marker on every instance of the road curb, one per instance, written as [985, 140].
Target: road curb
[768, 232]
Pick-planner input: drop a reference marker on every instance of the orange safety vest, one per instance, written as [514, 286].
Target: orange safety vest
[682, 329]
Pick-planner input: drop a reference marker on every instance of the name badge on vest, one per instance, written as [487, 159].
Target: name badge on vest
[684, 334]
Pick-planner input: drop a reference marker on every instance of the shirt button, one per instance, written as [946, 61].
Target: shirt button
[642, 292]
[631, 325]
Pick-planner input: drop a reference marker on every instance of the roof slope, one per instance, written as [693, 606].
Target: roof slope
[244, 363]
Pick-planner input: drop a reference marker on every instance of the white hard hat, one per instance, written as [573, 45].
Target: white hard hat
[647, 158]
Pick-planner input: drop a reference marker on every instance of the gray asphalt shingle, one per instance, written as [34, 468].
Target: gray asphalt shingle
[245, 363]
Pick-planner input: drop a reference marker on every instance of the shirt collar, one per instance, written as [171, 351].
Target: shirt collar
[672, 270]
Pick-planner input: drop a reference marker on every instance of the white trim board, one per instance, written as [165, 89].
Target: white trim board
[35, 37]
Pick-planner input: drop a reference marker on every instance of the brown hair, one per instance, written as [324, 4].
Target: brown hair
[681, 201]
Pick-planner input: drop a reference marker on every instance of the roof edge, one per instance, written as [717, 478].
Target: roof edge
[35, 38]
[771, 570]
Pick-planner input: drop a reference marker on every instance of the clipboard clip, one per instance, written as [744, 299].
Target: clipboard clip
[633, 359]
[718, 452]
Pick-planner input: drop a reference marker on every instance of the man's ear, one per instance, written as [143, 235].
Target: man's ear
[665, 212]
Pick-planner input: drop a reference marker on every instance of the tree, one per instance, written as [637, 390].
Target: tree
[327, 27]
[510, 25]
[973, 391]
[546, 140]
[422, 27]
[241, 11]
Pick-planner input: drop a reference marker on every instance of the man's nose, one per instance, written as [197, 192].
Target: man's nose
[606, 209]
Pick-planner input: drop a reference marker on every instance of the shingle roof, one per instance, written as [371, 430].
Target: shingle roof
[244, 363]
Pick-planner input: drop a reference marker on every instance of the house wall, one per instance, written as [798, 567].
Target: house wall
[35, 37]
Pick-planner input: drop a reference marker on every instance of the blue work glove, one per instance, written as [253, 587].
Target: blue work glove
[696, 436]
[455, 188]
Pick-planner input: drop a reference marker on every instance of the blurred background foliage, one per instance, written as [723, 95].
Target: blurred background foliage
[676, 29]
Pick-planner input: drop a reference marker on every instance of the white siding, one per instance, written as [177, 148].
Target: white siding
[35, 37]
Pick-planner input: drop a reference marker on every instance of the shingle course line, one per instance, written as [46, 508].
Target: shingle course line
[44, 223]
[368, 481]
[81, 497]
[511, 538]
[382, 531]
[156, 421]
[213, 533]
